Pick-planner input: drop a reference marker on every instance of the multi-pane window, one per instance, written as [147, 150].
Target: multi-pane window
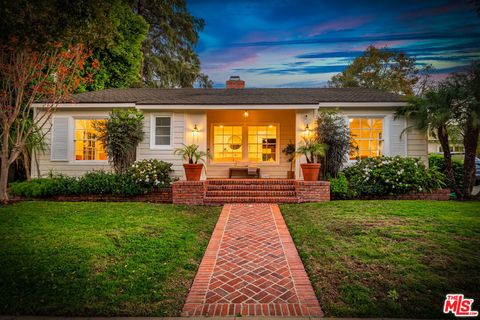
[227, 143]
[367, 135]
[87, 146]
[162, 132]
[262, 143]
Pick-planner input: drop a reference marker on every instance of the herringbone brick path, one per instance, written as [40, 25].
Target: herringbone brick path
[251, 267]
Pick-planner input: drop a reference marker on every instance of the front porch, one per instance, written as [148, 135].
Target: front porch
[221, 191]
[254, 139]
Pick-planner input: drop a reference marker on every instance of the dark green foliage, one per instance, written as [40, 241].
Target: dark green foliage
[391, 175]
[121, 61]
[95, 182]
[169, 53]
[333, 131]
[438, 161]
[109, 28]
[121, 134]
[339, 187]
[382, 69]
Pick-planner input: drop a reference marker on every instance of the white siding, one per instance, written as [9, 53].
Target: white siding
[144, 151]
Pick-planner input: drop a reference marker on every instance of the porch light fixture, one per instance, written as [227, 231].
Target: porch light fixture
[245, 114]
[307, 130]
[195, 131]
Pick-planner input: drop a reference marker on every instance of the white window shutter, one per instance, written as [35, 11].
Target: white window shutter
[397, 144]
[60, 134]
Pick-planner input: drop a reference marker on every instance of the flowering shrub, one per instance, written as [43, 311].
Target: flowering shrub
[391, 175]
[151, 173]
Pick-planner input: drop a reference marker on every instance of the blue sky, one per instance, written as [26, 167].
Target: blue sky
[288, 43]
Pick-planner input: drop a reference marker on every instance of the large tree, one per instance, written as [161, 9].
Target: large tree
[169, 56]
[27, 76]
[433, 113]
[383, 69]
[465, 87]
[110, 28]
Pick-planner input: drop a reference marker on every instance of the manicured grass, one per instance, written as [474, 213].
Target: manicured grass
[388, 258]
[100, 258]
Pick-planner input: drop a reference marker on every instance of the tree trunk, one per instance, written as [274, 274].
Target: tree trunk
[4, 180]
[447, 158]
[470, 142]
[27, 165]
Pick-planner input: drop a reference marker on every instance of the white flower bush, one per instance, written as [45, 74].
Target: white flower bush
[152, 173]
[391, 175]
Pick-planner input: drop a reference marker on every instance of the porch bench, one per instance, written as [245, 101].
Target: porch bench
[242, 172]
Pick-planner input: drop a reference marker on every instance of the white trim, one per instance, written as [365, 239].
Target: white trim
[106, 105]
[227, 107]
[154, 146]
[113, 105]
[361, 104]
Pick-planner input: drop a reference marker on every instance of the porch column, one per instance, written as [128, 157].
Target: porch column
[196, 131]
[303, 118]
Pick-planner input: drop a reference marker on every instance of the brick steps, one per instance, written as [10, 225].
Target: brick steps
[250, 182]
[251, 187]
[220, 191]
[223, 200]
[250, 193]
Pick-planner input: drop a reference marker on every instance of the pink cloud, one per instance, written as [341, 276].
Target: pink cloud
[338, 25]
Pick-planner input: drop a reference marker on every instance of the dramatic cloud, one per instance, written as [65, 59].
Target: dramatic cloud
[294, 43]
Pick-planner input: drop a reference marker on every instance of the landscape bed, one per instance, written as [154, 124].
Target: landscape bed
[103, 259]
[388, 258]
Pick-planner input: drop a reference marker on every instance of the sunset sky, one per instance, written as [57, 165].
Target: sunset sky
[294, 43]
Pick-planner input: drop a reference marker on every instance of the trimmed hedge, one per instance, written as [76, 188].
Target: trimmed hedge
[144, 176]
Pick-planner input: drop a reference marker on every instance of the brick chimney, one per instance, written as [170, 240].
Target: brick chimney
[235, 83]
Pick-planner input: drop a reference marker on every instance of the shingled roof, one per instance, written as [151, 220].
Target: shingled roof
[192, 96]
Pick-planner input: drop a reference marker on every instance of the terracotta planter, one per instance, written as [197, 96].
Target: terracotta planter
[310, 171]
[193, 171]
[290, 174]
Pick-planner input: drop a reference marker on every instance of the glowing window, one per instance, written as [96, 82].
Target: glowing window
[262, 143]
[227, 143]
[87, 146]
[367, 135]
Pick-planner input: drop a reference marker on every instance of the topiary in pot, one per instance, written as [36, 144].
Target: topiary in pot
[191, 154]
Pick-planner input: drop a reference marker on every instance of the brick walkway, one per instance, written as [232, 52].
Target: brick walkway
[251, 267]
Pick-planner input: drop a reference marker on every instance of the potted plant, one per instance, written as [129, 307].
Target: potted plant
[191, 154]
[289, 151]
[311, 150]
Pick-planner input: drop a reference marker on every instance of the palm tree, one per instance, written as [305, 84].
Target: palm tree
[433, 113]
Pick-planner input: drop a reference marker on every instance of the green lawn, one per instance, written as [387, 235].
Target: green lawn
[100, 258]
[388, 258]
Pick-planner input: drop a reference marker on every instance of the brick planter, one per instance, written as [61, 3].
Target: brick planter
[188, 192]
[439, 194]
[163, 195]
[312, 191]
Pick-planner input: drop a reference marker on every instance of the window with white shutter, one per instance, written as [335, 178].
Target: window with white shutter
[59, 142]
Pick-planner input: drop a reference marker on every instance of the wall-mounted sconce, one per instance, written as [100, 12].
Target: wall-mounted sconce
[195, 131]
[307, 131]
[245, 114]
